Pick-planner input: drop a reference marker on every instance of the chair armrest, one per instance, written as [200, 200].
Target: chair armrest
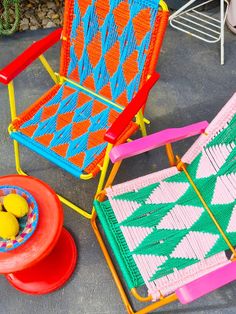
[14, 68]
[156, 140]
[206, 284]
[130, 111]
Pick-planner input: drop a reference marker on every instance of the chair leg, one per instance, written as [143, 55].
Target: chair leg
[141, 122]
[104, 169]
[222, 24]
[62, 199]
[149, 308]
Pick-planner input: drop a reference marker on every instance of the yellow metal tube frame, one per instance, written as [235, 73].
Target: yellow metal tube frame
[59, 80]
[17, 155]
[48, 69]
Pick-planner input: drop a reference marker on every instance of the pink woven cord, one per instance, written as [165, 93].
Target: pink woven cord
[180, 217]
[217, 124]
[135, 235]
[223, 191]
[141, 182]
[167, 192]
[170, 283]
[232, 223]
[123, 209]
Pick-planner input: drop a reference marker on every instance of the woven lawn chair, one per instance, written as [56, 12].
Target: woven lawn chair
[174, 231]
[108, 60]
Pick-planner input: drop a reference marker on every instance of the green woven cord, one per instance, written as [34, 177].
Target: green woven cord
[118, 244]
[163, 241]
[5, 27]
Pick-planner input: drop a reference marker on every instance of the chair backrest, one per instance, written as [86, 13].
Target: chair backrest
[213, 148]
[110, 47]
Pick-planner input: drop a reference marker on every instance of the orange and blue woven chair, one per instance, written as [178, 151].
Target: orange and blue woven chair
[173, 232]
[108, 59]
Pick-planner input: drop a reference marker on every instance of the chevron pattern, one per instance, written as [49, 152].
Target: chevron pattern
[168, 236]
[70, 126]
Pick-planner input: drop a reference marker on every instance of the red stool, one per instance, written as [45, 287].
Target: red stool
[48, 258]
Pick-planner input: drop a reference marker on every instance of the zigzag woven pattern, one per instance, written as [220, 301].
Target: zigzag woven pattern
[68, 125]
[110, 45]
[165, 236]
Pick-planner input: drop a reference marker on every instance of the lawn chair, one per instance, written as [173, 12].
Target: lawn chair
[174, 231]
[108, 60]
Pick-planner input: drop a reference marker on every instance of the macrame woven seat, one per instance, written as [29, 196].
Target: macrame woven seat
[67, 126]
[159, 230]
[108, 50]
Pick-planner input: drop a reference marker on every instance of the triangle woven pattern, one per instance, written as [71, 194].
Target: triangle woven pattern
[67, 126]
[110, 44]
[163, 229]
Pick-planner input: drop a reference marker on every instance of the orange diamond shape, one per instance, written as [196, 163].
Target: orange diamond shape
[130, 67]
[102, 9]
[79, 128]
[121, 15]
[112, 58]
[141, 23]
[94, 49]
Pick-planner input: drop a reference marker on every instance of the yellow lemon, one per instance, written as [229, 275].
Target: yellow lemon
[1, 207]
[16, 205]
[9, 226]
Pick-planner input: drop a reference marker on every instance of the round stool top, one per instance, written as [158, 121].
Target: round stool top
[47, 232]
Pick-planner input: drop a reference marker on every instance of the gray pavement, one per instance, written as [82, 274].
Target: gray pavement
[193, 87]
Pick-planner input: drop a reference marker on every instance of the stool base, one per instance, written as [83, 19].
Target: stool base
[52, 272]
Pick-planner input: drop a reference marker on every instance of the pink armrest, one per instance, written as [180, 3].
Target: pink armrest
[155, 140]
[139, 100]
[14, 68]
[206, 284]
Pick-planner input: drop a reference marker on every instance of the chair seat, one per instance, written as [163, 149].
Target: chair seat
[159, 229]
[67, 126]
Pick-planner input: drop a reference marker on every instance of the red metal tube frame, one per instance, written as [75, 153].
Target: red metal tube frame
[136, 104]
[21, 62]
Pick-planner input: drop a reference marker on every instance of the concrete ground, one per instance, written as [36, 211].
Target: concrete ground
[193, 87]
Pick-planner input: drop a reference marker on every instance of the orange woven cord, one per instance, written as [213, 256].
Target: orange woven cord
[30, 111]
[94, 167]
[159, 33]
[141, 28]
[65, 48]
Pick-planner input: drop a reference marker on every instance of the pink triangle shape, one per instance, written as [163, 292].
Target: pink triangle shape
[180, 217]
[148, 264]
[195, 245]
[135, 235]
[168, 192]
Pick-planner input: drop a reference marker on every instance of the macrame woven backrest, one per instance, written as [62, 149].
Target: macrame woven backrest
[159, 229]
[111, 45]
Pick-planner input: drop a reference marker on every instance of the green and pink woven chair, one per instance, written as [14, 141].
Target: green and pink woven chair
[174, 231]
[108, 62]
